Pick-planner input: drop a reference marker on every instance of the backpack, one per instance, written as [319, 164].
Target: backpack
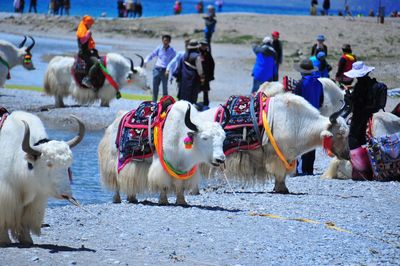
[377, 96]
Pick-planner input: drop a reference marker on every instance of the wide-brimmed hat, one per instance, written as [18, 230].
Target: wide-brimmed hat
[305, 67]
[320, 37]
[267, 39]
[193, 44]
[359, 69]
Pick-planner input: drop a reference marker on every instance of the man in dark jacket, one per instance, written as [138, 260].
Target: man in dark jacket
[360, 118]
[265, 67]
[310, 89]
[208, 64]
[189, 74]
[277, 44]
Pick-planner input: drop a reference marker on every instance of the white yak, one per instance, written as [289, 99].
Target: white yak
[297, 128]
[148, 175]
[32, 169]
[333, 95]
[383, 123]
[60, 83]
[11, 56]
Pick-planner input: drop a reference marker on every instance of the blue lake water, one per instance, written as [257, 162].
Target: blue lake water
[86, 185]
[153, 8]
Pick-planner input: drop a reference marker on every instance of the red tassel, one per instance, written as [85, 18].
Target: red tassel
[327, 145]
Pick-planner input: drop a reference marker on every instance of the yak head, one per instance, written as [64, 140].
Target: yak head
[25, 53]
[335, 139]
[137, 76]
[50, 161]
[208, 139]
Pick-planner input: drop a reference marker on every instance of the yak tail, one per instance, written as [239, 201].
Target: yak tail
[46, 85]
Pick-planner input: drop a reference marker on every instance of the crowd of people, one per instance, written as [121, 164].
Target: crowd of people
[129, 8]
[56, 7]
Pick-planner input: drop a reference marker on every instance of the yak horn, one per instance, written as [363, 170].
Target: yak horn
[227, 116]
[30, 46]
[335, 115]
[141, 60]
[188, 122]
[26, 147]
[75, 141]
[22, 43]
[132, 66]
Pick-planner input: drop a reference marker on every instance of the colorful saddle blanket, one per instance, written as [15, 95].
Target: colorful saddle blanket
[244, 128]
[135, 132]
[3, 116]
[79, 71]
[384, 155]
[289, 84]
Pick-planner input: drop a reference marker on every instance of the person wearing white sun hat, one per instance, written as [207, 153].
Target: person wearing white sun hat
[361, 115]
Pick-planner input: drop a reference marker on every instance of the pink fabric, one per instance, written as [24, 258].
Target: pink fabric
[359, 159]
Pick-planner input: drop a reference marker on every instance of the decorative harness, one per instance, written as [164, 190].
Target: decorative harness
[158, 143]
[5, 63]
[109, 78]
[137, 130]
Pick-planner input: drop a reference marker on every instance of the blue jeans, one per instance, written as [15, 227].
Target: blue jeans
[256, 85]
[158, 77]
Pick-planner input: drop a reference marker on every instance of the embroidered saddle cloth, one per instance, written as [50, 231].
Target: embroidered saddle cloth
[3, 115]
[384, 155]
[135, 132]
[244, 127]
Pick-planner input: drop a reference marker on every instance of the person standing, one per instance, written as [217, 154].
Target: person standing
[314, 5]
[361, 115]
[319, 46]
[200, 7]
[345, 64]
[310, 89]
[177, 7]
[189, 74]
[265, 66]
[208, 65]
[219, 4]
[277, 45]
[130, 8]
[164, 53]
[87, 50]
[210, 23]
[33, 6]
[121, 8]
[138, 9]
[67, 6]
[326, 5]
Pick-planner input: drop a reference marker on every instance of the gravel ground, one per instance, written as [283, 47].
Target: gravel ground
[218, 227]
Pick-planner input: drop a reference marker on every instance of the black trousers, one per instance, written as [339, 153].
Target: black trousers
[358, 128]
[307, 160]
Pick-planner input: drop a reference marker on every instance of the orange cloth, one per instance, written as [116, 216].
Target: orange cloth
[83, 33]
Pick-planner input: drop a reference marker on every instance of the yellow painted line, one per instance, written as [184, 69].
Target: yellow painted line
[329, 225]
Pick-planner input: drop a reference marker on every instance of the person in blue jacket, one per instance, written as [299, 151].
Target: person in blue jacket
[265, 68]
[310, 89]
[319, 61]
